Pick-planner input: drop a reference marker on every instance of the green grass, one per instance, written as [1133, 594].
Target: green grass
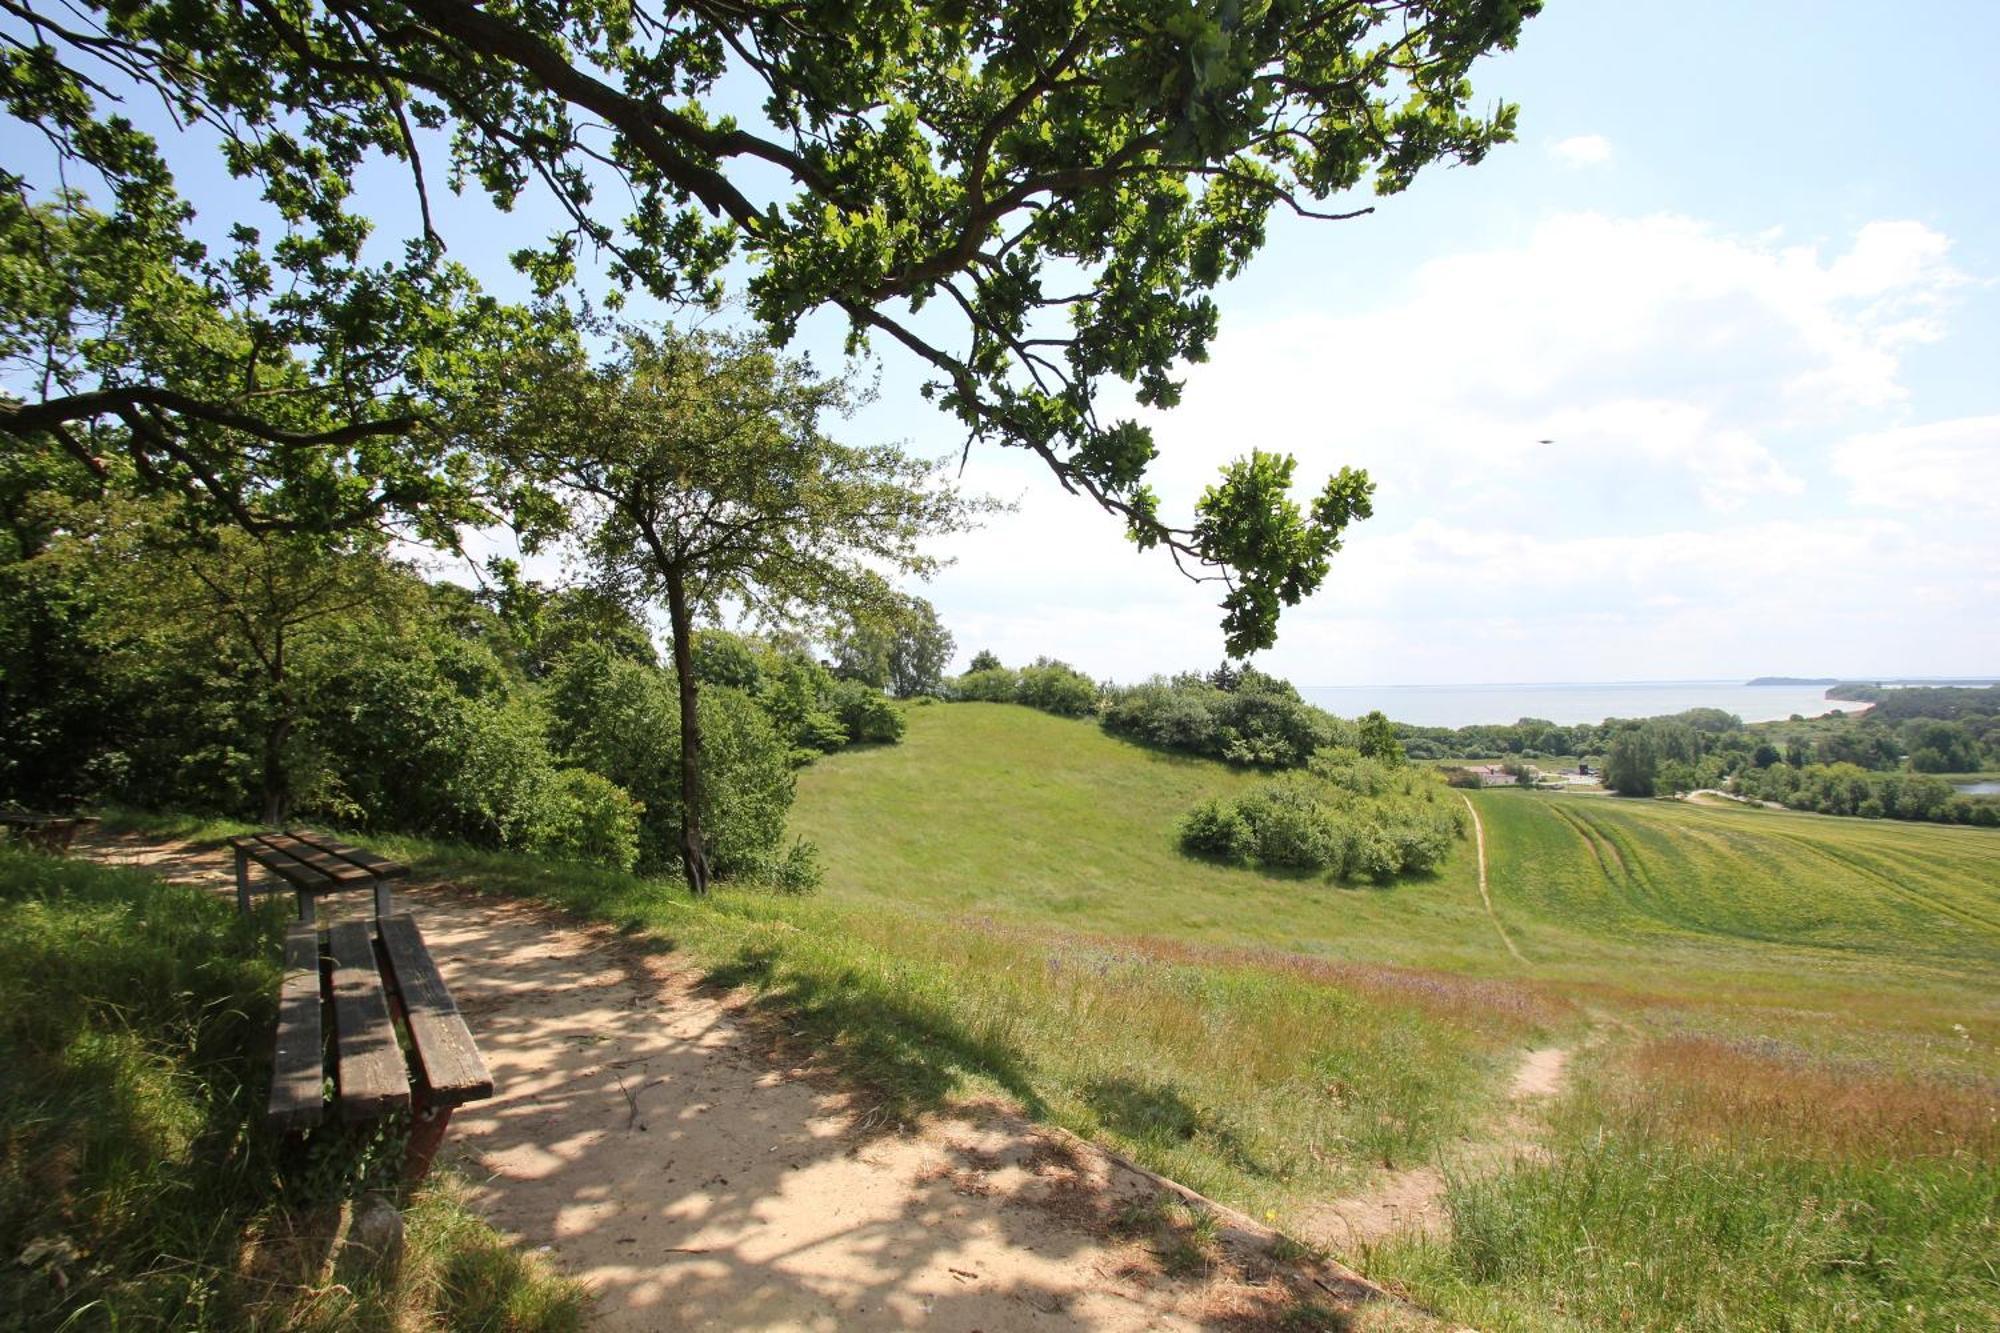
[1000, 812]
[137, 1189]
[1787, 1026]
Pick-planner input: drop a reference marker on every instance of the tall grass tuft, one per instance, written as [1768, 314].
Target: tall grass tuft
[1692, 1186]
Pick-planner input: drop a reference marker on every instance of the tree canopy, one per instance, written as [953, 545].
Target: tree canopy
[698, 471]
[1036, 200]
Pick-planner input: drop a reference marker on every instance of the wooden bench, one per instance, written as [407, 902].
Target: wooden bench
[45, 833]
[353, 998]
[312, 865]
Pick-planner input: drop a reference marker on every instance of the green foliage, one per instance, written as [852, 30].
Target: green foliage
[1376, 738]
[1110, 167]
[699, 474]
[135, 1173]
[1352, 817]
[866, 717]
[1632, 764]
[621, 719]
[984, 660]
[1260, 722]
[993, 685]
[722, 658]
[586, 817]
[901, 646]
[1056, 687]
[1845, 789]
[1249, 522]
[1215, 829]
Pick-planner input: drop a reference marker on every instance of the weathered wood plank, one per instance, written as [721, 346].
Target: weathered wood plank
[289, 868]
[379, 866]
[298, 1077]
[337, 869]
[448, 1061]
[371, 1075]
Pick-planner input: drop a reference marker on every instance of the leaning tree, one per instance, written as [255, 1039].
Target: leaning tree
[1034, 199]
[699, 476]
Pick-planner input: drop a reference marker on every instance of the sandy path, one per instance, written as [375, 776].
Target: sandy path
[648, 1139]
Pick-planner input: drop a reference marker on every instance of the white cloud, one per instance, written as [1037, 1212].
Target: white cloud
[1946, 467]
[1602, 450]
[1582, 150]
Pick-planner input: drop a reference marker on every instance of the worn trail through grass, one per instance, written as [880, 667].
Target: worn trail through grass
[1479, 846]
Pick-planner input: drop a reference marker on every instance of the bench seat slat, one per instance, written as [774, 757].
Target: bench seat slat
[371, 1075]
[284, 865]
[452, 1070]
[379, 866]
[297, 1077]
[333, 867]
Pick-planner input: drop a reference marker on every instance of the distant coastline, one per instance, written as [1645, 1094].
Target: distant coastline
[1881, 682]
[1567, 703]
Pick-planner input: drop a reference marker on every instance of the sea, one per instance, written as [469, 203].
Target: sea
[1570, 702]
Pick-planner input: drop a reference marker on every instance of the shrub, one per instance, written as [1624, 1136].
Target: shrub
[1213, 828]
[865, 713]
[993, 685]
[621, 719]
[1355, 818]
[1261, 722]
[1056, 687]
[587, 817]
[797, 871]
[1290, 827]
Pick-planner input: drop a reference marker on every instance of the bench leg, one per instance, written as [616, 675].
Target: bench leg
[305, 904]
[242, 881]
[385, 904]
[426, 1137]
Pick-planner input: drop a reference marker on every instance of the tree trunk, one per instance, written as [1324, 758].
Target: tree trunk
[277, 783]
[278, 730]
[694, 855]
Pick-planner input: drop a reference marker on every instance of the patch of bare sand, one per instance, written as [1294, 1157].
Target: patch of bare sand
[1411, 1200]
[648, 1136]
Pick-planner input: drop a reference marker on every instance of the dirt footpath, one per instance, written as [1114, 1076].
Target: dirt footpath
[649, 1138]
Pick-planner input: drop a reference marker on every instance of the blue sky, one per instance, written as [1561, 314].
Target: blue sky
[1740, 271]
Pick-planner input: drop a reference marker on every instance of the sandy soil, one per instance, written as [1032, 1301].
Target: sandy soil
[648, 1136]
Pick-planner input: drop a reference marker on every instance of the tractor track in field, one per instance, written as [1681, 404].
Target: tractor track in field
[1485, 896]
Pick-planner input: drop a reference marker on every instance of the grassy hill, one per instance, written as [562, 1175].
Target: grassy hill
[1784, 1109]
[1783, 1031]
[1004, 813]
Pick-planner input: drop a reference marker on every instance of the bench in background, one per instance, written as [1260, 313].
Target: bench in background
[313, 865]
[45, 833]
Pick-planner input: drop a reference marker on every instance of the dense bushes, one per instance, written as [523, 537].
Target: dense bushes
[621, 719]
[1261, 721]
[1348, 816]
[1052, 686]
[1845, 789]
[814, 711]
[525, 719]
[990, 685]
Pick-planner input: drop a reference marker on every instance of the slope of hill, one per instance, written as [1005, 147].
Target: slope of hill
[1002, 812]
[1783, 1030]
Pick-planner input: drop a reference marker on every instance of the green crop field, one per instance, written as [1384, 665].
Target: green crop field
[1784, 1106]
